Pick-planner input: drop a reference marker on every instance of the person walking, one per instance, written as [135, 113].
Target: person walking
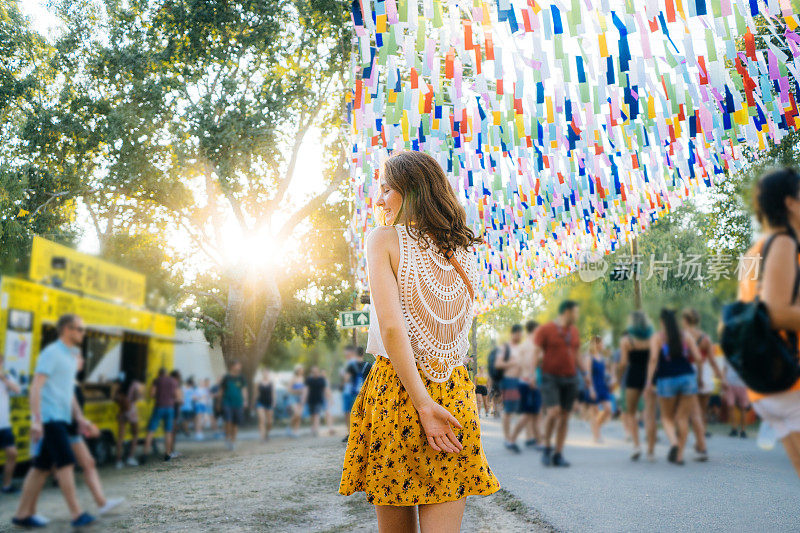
[632, 372]
[51, 406]
[706, 370]
[482, 390]
[530, 399]
[777, 202]
[295, 399]
[188, 410]
[415, 446]
[83, 456]
[315, 397]
[265, 402]
[126, 398]
[672, 351]
[353, 376]
[233, 390]
[164, 391]
[601, 404]
[179, 401]
[510, 364]
[556, 346]
[203, 404]
[8, 386]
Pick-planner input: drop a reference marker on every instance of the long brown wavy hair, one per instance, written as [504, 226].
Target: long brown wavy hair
[430, 209]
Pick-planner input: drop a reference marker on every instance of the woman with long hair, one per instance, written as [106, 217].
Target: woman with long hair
[415, 445]
[778, 209]
[634, 356]
[672, 351]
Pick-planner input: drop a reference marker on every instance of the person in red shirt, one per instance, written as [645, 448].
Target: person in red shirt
[556, 346]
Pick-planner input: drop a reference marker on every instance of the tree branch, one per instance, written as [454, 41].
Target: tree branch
[286, 181]
[317, 201]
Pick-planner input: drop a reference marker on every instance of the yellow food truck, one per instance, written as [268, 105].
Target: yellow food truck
[123, 340]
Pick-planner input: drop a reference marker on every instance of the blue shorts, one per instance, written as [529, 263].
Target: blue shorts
[672, 386]
[509, 388]
[165, 414]
[6, 438]
[348, 399]
[530, 399]
[202, 409]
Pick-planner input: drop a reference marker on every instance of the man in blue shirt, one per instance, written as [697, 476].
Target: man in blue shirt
[52, 404]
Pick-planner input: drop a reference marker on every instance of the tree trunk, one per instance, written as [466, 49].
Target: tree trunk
[240, 343]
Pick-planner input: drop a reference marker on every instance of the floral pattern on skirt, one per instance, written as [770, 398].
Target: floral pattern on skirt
[388, 456]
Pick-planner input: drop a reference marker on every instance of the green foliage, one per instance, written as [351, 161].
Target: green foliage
[35, 195]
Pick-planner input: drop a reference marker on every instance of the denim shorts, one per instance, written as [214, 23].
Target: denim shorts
[672, 386]
[165, 414]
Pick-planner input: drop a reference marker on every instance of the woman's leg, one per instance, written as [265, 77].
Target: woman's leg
[650, 426]
[442, 517]
[603, 416]
[90, 475]
[704, 400]
[594, 420]
[631, 406]
[134, 439]
[269, 416]
[262, 422]
[396, 519]
[120, 438]
[698, 424]
[792, 444]
[668, 412]
[685, 408]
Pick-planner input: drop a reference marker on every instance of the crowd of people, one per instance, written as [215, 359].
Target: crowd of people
[59, 428]
[544, 375]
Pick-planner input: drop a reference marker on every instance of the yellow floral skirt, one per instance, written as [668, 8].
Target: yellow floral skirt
[388, 456]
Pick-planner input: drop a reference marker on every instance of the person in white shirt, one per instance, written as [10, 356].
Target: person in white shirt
[8, 386]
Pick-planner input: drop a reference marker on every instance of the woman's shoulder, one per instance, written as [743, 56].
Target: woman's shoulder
[382, 238]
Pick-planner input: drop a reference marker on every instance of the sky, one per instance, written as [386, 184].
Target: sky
[308, 175]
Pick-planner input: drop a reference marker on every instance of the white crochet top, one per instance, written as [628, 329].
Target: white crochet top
[436, 304]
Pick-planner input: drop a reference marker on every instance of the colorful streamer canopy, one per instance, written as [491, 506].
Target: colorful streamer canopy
[567, 126]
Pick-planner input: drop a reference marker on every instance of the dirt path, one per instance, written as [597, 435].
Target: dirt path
[285, 485]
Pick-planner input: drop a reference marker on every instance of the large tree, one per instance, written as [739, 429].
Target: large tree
[202, 107]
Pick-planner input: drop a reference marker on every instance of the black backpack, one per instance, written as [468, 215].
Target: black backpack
[497, 373]
[765, 358]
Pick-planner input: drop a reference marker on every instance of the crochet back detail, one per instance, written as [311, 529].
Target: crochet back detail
[436, 304]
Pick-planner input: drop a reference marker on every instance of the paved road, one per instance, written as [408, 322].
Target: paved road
[742, 488]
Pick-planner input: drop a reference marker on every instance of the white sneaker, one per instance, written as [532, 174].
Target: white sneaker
[173, 455]
[132, 462]
[120, 464]
[110, 504]
[43, 519]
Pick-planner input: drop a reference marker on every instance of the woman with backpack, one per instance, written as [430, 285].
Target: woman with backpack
[672, 351]
[777, 202]
[415, 439]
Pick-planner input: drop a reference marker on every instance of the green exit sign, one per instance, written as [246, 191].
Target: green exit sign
[354, 319]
